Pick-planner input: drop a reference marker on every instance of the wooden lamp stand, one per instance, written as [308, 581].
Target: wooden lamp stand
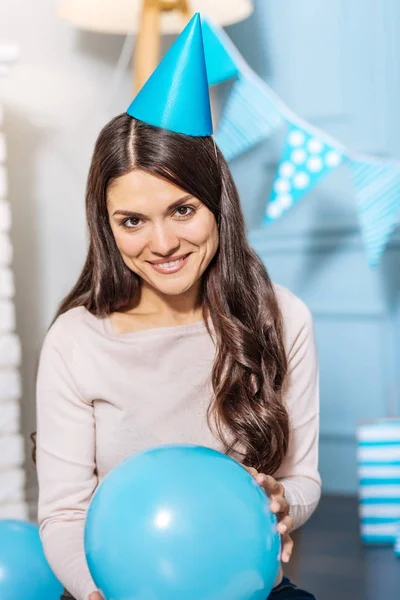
[147, 48]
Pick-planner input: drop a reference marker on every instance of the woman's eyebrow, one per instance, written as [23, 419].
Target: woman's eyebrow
[176, 204]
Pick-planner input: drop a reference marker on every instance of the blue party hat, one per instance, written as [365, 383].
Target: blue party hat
[176, 96]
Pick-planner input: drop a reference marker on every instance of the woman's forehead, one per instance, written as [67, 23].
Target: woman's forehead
[133, 191]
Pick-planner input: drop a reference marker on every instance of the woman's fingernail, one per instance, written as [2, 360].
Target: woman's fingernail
[283, 527]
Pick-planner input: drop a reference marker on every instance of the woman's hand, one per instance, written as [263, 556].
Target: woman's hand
[95, 596]
[280, 506]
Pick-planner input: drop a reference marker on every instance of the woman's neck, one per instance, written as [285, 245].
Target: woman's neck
[166, 310]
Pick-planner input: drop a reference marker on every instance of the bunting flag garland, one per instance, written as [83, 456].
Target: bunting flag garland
[254, 111]
[219, 62]
[251, 114]
[249, 117]
[377, 192]
[305, 159]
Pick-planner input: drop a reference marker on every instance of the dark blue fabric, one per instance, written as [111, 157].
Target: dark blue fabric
[287, 590]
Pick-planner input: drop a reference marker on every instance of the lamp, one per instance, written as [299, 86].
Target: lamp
[149, 19]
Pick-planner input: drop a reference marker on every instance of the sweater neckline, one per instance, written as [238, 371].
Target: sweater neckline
[153, 331]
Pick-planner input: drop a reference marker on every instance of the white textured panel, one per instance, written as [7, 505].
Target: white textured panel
[14, 511]
[7, 316]
[9, 52]
[11, 451]
[10, 350]
[12, 484]
[6, 252]
[3, 147]
[3, 182]
[1, 114]
[9, 417]
[7, 288]
[10, 384]
[5, 216]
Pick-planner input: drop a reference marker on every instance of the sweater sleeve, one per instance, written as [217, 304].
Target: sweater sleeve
[65, 463]
[299, 471]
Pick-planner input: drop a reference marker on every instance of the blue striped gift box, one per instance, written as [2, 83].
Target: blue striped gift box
[397, 541]
[378, 458]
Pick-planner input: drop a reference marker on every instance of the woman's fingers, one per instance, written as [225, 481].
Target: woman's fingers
[272, 484]
[287, 548]
[285, 525]
[252, 471]
[275, 490]
[273, 487]
[279, 506]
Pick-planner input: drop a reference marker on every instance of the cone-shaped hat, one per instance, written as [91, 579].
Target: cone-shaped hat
[176, 95]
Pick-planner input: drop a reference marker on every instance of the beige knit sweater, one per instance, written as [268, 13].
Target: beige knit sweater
[103, 395]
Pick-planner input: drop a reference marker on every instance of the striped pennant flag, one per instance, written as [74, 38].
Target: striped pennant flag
[250, 116]
[253, 111]
[377, 192]
[378, 456]
[306, 158]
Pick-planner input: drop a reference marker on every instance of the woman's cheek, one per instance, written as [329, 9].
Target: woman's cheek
[128, 245]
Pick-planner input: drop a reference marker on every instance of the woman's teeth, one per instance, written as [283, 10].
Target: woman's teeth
[171, 264]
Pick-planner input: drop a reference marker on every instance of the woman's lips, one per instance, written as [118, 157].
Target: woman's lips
[173, 268]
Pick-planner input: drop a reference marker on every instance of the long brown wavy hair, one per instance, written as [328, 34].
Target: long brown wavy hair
[247, 410]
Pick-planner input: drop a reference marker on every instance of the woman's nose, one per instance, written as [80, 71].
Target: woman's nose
[164, 240]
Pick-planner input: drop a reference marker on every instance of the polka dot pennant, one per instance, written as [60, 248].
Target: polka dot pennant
[304, 161]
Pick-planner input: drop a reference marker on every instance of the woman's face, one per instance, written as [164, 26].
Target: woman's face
[154, 220]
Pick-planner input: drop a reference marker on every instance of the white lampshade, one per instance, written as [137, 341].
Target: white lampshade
[123, 16]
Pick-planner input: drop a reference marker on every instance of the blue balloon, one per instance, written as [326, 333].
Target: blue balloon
[24, 571]
[181, 522]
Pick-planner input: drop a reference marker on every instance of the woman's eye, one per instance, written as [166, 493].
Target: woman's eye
[133, 222]
[186, 208]
[127, 223]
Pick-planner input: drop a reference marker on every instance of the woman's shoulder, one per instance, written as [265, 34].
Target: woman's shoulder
[295, 312]
[69, 326]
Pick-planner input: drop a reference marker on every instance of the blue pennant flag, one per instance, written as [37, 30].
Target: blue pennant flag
[220, 64]
[249, 117]
[306, 158]
[377, 192]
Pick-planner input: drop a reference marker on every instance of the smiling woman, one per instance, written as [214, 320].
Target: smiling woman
[173, 333]
[157, 231]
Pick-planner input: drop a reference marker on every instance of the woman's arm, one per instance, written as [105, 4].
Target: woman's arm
[65, 462]
[299, 471]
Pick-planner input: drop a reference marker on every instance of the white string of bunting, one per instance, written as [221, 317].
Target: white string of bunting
[254, 111]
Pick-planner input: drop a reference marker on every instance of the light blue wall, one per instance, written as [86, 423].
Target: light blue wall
[336, 64]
